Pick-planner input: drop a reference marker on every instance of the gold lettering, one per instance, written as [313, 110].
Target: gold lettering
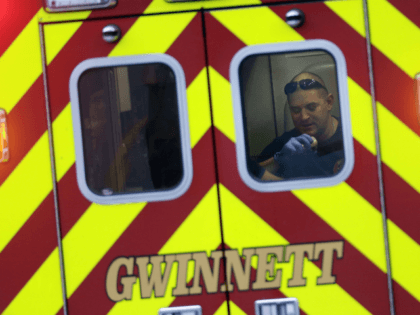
[157, 280]
[210, 278]
[181, 283]
[234, 265]
[265, 266]
[328, 250]
[299, 252]
[111, 281]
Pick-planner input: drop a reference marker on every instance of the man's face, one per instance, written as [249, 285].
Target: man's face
[310, 111]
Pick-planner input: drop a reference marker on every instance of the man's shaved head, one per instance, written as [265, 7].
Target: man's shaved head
[313, 76]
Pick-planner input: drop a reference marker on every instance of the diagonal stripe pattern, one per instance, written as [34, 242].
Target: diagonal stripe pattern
[363, 135]
[387, 53]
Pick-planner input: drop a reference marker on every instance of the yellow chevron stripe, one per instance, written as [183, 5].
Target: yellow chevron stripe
[400, 147]
[191, 236]
[395, 35]
[31, 179]
[198, 107]
[152, 35]
[155, 41]
[266, 26]
[361, 111]
[91, 238]
[221, 100]
[42, 293]
[276, 30]
[222, 310]
[391, 32]
[56, 36]
[351, 12]
[235, 309]
[75, 241]
[147, 306]
[158, 6]
[20, 65]
[64, 151]
[244, 229]
[45, 17]
[351, 216]
[405, 255]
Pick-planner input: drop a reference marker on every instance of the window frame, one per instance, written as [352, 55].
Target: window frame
[290, 47]
[186, 153]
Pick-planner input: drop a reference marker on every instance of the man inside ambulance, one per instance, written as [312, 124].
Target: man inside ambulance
[314, 148]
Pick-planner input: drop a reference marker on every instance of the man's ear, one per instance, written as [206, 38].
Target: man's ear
[330, 101]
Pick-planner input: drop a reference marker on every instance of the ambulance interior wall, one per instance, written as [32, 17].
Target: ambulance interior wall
[264, 85]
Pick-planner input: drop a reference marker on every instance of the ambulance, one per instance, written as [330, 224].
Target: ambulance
[133, 175]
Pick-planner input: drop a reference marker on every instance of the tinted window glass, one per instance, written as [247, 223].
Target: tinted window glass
[130, 129]
[291, 115]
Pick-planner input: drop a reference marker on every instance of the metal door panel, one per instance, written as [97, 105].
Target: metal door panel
[395, 65]
[349, 212]
[102, 241]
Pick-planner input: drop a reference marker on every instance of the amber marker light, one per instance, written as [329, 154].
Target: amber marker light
[417, 95]
[4, 140]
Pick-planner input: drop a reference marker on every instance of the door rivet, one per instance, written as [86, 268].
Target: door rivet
[111, 33]
[295, 18]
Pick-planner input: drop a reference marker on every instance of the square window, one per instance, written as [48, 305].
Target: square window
[131, 129]
[292, 116]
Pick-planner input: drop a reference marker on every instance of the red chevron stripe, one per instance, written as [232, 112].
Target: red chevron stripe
[245, 299]
[123, 8]
[402, 203]
[26, 124]
[26, 252]
[191, 57]
[410, 8]
[298, 224]
[364, 177]
[222, 45]
[394, 90]
[148, 232]
[208, 302]
[27, 120]
[404, 302]
[14, 16]
[39, 229]
[72, 205]
[86, 43]
[71, 202]
[391, 93]
[324, 23]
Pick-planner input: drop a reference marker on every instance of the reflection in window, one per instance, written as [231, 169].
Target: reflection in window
[291, 115]
[130, 129]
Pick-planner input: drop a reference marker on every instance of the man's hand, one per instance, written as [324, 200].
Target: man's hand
[294, 146]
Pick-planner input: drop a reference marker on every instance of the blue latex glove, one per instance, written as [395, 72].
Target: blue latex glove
[297, 145]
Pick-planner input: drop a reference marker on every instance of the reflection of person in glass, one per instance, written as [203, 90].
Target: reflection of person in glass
[315, 146]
